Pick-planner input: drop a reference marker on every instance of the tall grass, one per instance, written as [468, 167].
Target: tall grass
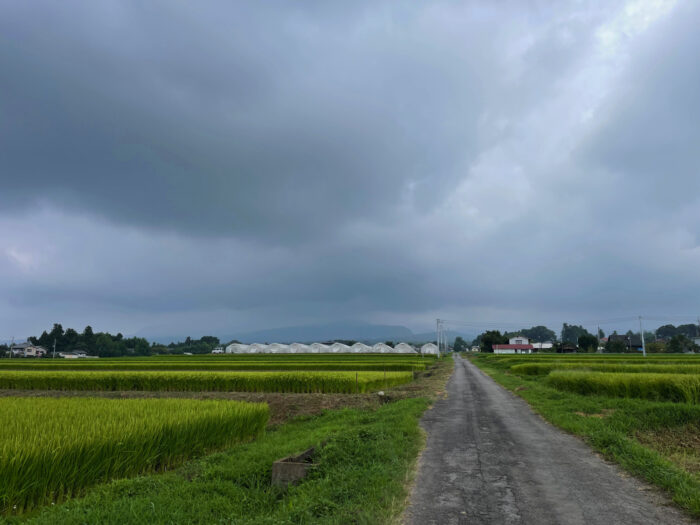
[684, 388]
[51, 449]
[298, 382]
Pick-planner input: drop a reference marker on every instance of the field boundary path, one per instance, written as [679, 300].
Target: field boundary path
[490, 459]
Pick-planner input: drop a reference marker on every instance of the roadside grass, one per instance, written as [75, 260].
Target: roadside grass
[365, 467]
[622, 429]
[361, 478]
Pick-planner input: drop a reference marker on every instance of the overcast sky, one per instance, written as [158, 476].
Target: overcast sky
[213, 167]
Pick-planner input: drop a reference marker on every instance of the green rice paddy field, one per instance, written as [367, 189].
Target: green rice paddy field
[55, 448]
[643, 412]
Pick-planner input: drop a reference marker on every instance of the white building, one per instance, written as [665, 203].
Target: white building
[518, 340]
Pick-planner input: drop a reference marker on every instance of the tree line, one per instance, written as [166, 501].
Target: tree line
[104, 344]
[667, 338]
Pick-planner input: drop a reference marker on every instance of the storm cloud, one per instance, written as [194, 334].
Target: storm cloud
[172, 168]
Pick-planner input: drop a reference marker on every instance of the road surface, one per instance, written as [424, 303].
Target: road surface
[490, 460]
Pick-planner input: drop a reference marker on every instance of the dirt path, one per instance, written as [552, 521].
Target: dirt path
[490, 460]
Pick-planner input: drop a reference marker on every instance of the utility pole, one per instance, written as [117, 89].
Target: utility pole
[641, 333]
[54, 348]
[11, 345]
[437, 335]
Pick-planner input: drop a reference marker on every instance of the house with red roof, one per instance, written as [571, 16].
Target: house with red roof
[516, 345]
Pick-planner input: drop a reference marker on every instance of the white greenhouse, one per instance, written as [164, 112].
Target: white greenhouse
[429, 348]
[360, 348]
[257, 348]
[319, 348]
[404, 348]
[298, 348]
[236, 348]
[381, 348]
[277, 348]
[340, 348]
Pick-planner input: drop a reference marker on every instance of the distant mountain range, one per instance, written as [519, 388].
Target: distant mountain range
[364, 332]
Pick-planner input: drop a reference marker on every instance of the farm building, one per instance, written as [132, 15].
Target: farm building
[27, 350]
[298, 348]
[320, 348]
[360, 348]
[512, 349]
[633, 342]
[543, 346]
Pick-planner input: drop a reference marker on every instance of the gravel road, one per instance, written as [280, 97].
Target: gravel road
[490, 460]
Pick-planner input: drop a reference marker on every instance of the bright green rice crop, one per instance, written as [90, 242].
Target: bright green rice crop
[684, 388]
[279, 364]
[300, 382]
[51, 449]
[531, 369]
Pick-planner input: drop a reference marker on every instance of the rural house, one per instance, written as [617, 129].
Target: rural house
[27, 350]
[632, 342]
[518, 344]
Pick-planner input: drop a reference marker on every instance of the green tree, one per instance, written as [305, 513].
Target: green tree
[538, 334]
[655, 347]
[688, 330]
[666, 331]
[460, 345]
[680, 343]
[70, 339]
[571, 333]
[616, 347]
[588, 342]
[601, 334]
[88, 339]
[490, 338]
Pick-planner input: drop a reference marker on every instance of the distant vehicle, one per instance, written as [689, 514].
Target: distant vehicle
[217, 351]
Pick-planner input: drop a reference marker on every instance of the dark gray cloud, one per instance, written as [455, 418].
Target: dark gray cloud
[241, 119]
[233, 167]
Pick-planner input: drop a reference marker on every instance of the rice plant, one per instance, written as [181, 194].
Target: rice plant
[51, 449]
[683, 388]
[297, 382]
[546, 368]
